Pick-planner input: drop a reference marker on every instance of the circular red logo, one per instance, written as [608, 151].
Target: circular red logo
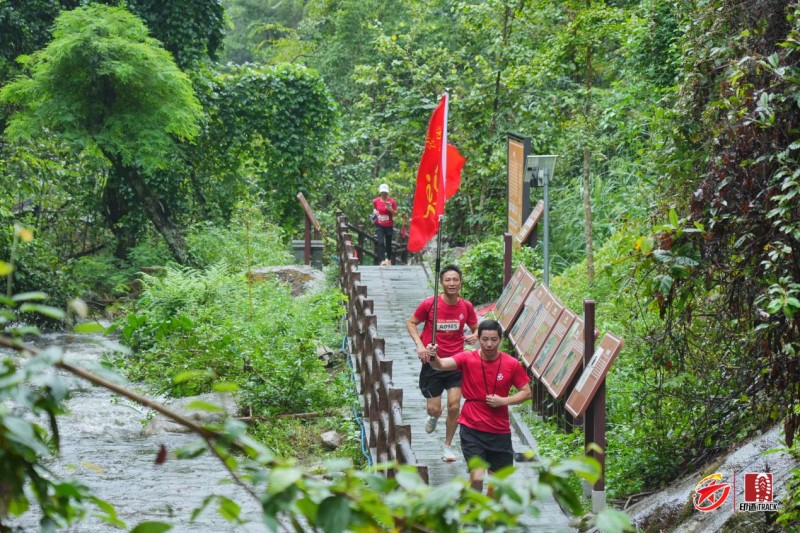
[710, 493]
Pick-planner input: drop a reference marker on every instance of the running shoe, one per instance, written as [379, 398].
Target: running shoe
[448, 456]
[430, 424]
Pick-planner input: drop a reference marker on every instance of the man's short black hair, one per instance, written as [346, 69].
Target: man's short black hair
[450, 268]
[491, 325]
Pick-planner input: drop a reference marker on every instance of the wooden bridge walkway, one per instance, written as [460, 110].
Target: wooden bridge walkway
[396, 291]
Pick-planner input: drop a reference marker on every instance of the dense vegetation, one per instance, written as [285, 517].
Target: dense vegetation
[153, 134]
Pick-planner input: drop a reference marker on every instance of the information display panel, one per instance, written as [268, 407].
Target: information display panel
[518, 188]
[511, 301]
[532, 340]
[552, 342]
[594, 374]
[530, 222]
[567, 360]
[523, 323]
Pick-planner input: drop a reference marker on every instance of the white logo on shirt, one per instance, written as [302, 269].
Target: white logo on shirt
[500, 376]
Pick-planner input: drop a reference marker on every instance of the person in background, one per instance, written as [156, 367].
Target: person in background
[453, 313]
[487, 377]
[384, 207]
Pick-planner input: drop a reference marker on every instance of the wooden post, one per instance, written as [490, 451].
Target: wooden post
[507, 249]
[595, 416]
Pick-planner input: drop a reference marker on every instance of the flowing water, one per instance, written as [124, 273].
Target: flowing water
[103, 445]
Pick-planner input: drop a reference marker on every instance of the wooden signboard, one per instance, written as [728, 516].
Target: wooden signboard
[518, 188]
[525, 320]
[511, 301]
[530, 223]
[567, 360]
[534, 338]
[553, 341]
[594, 374]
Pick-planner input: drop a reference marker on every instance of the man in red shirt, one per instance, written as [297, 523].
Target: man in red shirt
[453, 313]
[384, 207]
[487, 377]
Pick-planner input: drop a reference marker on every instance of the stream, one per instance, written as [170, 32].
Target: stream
[103, 444]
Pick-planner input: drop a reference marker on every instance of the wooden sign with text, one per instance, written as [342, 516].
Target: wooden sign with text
[567, 360]
[594, 374]
[553, 341]
[511, 301]
[531, 342]
[530, 223]
[523, 323]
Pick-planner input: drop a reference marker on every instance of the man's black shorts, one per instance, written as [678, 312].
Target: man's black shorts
[433, 382]
[494, 448]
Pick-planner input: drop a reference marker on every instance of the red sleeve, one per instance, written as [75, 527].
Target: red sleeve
[422, 311]
[521, 377]
[459, 358]
[472, 317]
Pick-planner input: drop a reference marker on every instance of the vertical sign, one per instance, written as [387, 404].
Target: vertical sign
[519, 203]
[594, 374]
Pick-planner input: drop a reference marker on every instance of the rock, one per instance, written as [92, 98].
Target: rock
[331, 440]
[302, 279]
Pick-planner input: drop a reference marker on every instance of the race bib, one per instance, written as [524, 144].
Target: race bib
[448, 326]
[383, 218]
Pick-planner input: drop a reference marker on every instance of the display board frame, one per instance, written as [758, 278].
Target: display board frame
[512, 299]
[594, 374]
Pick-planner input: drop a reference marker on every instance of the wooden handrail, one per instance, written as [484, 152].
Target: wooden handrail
[389, 438]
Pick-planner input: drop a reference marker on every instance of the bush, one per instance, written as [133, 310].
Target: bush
[482, 266]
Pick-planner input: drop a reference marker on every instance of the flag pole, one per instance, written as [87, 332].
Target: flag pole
[443, 170]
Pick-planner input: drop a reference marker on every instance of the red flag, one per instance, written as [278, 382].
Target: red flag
[434, 186]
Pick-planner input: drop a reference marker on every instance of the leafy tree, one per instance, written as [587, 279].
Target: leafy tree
[106, 87]
[269, 132]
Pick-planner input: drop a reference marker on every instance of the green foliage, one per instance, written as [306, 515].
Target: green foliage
[247, 242]
[268, 136]
[482, 266]
[261, 339]
[106, 86]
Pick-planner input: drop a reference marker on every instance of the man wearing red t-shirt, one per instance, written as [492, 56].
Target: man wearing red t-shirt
[384, 207]
[487, 377]
[453, 313]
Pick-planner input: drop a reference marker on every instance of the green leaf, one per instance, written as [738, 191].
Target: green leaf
[282, 478]
[225, 386]
[25, 296]
[613, 521]
[334, 514]
[46, 310]
[204, 406]
[187, 375]
[229, 509]
[673, 218]
[151, 527]
[89, 327]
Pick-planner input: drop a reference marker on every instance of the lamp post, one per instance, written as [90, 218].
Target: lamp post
[539, 170]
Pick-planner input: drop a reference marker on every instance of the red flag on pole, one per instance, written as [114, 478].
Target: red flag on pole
[433, 186]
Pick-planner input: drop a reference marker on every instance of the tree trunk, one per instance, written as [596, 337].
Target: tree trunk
[116, 209]
[587, 183]
[157, 211]
[587, 215]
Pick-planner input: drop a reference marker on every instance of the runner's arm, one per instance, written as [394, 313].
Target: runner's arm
[423, 352]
